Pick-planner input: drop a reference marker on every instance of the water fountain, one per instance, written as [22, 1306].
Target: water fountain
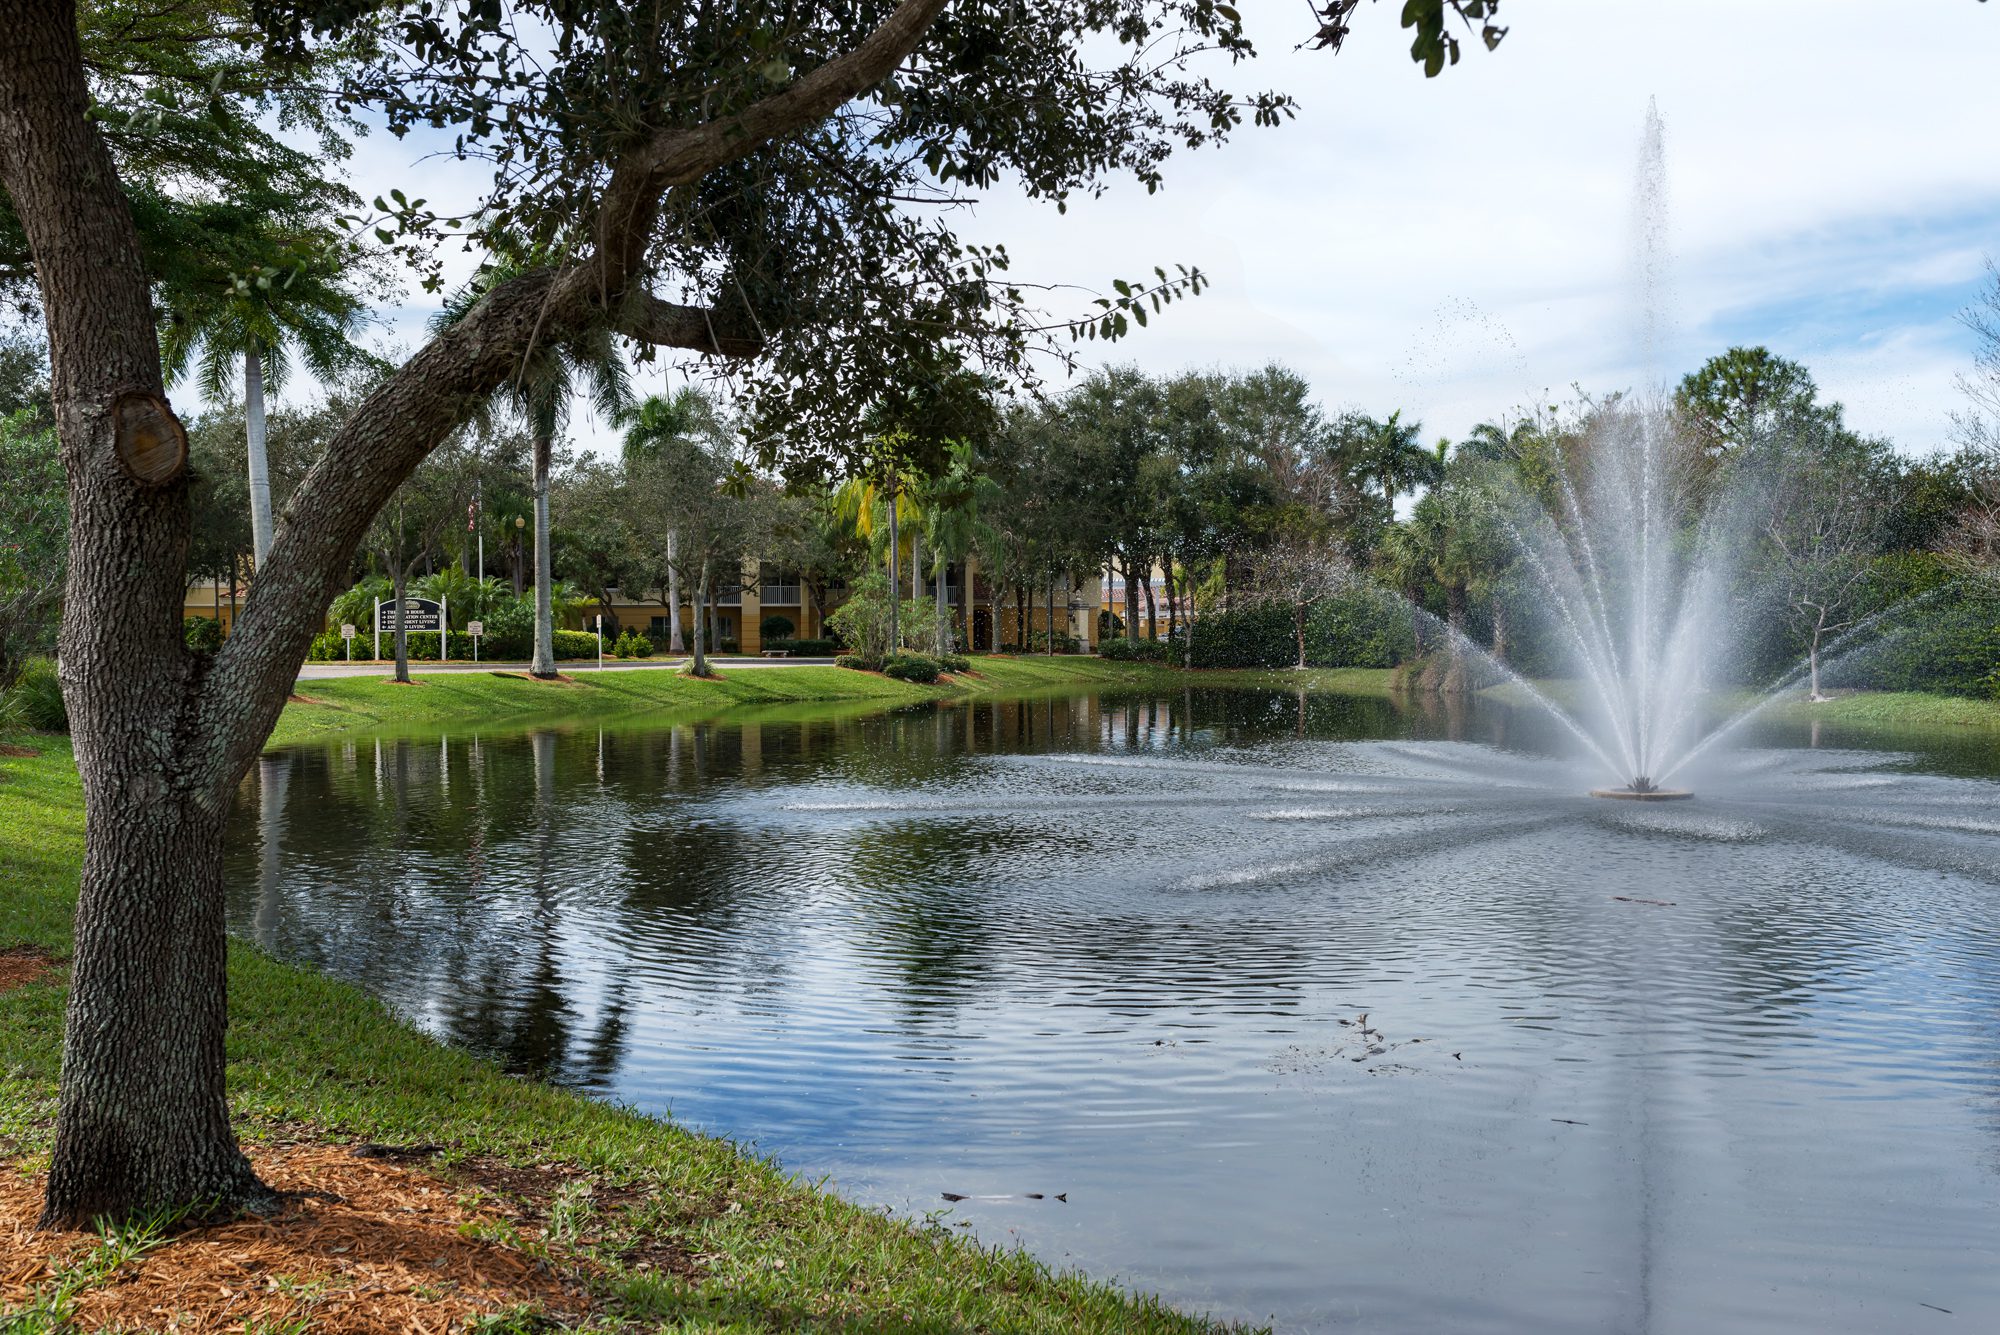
[1631, 554]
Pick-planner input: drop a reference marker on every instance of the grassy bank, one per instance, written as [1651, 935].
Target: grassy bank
[1883, 711]
[309, 1056]
[343, 704]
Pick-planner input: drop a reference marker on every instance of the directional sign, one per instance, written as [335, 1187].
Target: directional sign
[421, 616]
[347, 630]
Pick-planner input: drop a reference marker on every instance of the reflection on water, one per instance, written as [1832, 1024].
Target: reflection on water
[1725, 1065]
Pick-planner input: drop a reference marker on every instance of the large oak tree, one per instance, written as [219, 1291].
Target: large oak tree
[764, 181]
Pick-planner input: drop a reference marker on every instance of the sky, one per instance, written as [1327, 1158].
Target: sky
[1463, 248]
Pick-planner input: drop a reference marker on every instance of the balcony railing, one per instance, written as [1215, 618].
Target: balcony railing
[779, 595]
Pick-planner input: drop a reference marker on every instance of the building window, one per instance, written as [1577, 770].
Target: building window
[777, 586]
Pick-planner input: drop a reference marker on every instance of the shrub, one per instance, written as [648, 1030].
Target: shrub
[1065, 644]
[575, 644]
[35, 699]
[907, 666]
[203, 635]
[1130, 651]
[510, 629]
[955, 663]
[1109, 625]
[775, 628]
[632, 644]
[1365, 628]
[858, 662]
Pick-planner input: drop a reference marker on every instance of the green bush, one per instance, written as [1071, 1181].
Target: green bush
[510, 629]
[859, 662]
[775, 627]
[907, 666]
[203, 635]
[328, 647]
[1365, 628]
[1133, 651]
[35, 699]
[571, 644]
[632, 644]
[1038, 642]
[955, 663]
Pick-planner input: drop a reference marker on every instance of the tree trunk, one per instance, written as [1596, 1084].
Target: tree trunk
[1173, 603]
[916, 567]
[402, 637]
[161, 740]
[943, 621]
[544, 664]
[1499, 630]
[145, 1123]
[1049, 616]
[259, 463]
[895, 561]
[1299, 632]
[699, 664]
[998, 597]
[675, 645]
[1022, 635]
[1131, 599]
[965, 605]
[1152, 617]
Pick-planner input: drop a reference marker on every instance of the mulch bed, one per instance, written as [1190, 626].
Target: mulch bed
[21, 965]
[363, 1245]
[13, 752]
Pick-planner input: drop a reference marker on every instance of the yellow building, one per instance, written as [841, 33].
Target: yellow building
[766, 590]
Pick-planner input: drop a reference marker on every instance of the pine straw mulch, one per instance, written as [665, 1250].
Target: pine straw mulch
[21, 965]
[13, 752]
[361, 1246]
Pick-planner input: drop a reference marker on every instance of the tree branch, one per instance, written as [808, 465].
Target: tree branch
[679, 156]
[697, 328]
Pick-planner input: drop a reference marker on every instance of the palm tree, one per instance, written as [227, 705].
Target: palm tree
[539, 393]
[874, 506]
[1392, 456]
[951, 504]
[663, 427]
[295, 299]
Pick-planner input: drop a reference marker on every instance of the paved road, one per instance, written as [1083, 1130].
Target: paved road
[322, 671]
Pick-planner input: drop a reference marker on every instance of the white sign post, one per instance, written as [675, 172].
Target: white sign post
[475, 629]
[378, 630]
[347, 634]
[600, 640]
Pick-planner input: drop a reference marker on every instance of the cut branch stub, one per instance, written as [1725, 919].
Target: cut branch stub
[152, 443]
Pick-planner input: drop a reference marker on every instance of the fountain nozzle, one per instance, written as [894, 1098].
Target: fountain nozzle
[1642, 789]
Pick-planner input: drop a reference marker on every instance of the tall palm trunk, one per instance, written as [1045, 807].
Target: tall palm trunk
[545, 615]
[675, 645]
[259, 460]
[1152, 608]
[943, 622]
[402, 636]
[895, 557]
[1131, 597]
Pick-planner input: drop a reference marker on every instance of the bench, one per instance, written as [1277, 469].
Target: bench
[777, 653]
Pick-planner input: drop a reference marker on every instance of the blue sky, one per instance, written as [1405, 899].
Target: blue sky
[1461, 248]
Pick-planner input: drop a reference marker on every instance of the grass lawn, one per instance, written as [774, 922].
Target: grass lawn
[652, 1227]
[343, 704]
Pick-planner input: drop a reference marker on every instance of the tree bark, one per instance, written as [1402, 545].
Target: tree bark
[943, 622]
[402, 636]
[258, 456]
[1131, 599]
[699, 664]
[675, 645]
[1152, 617]
[895, 562]
[544, 665]
[1299, 632]
[161, 738]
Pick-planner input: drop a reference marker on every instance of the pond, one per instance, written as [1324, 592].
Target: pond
[1335, 1013]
